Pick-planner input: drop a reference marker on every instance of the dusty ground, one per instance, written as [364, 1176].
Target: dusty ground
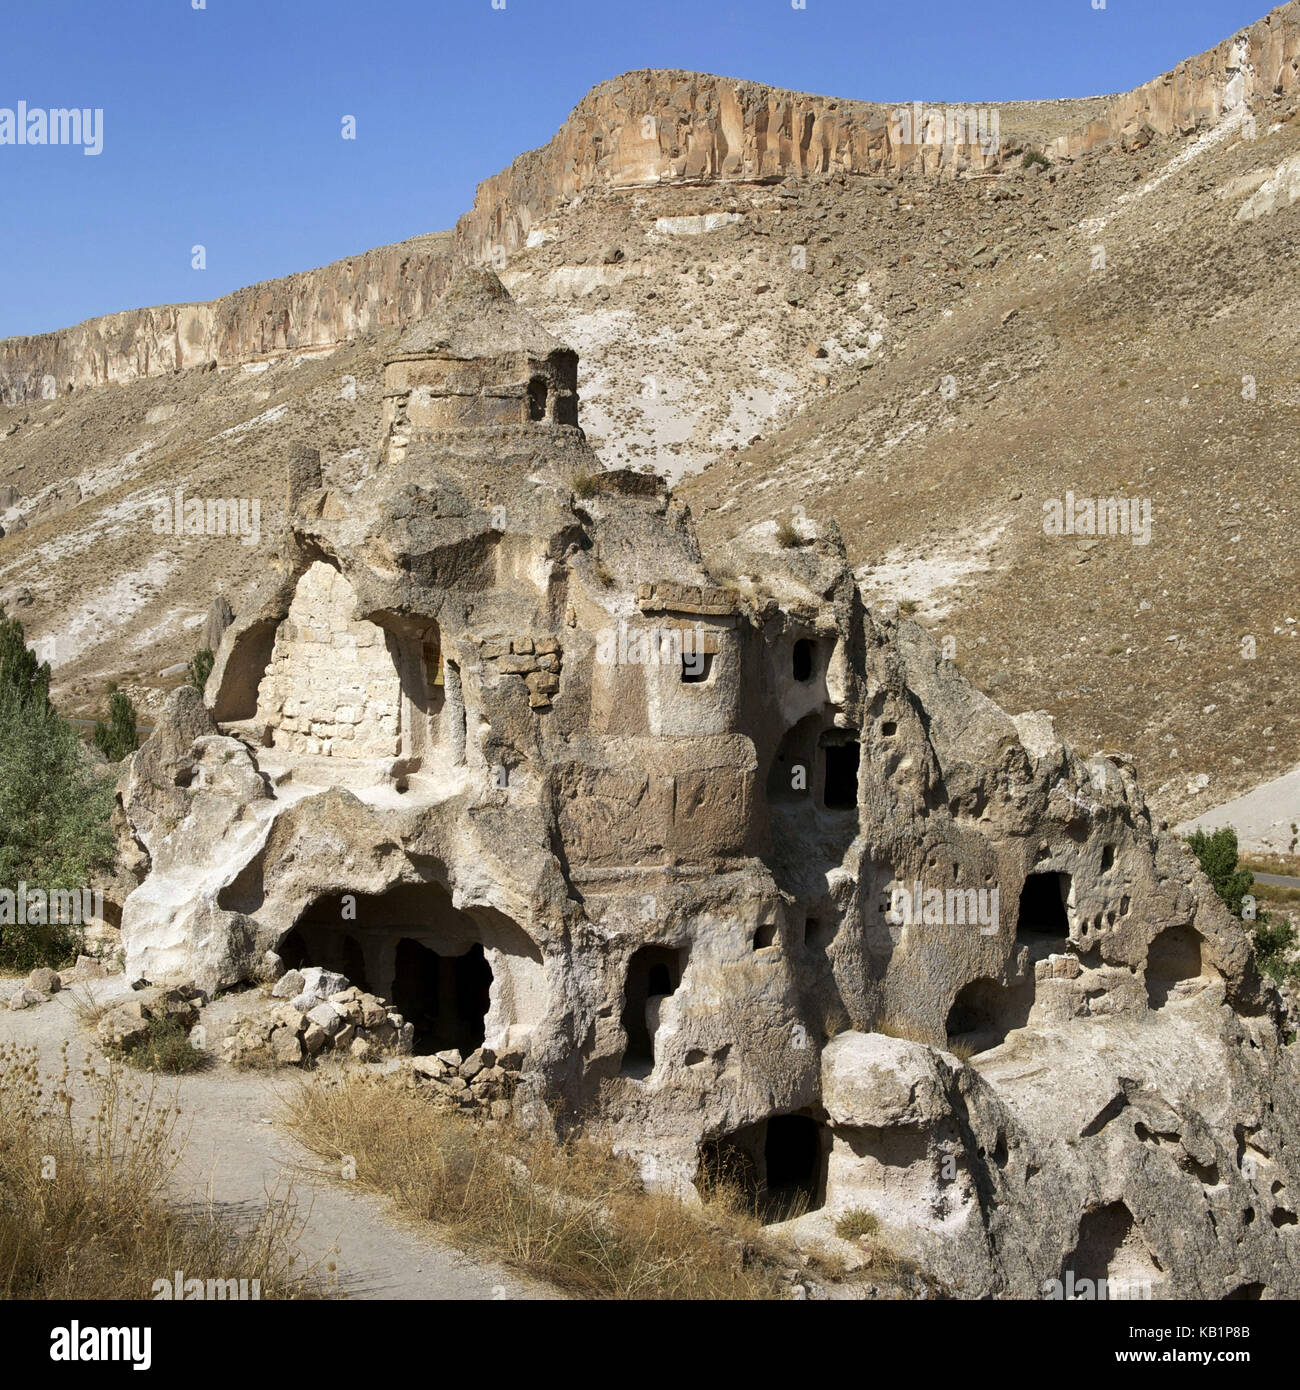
[1267, 819]
[235, 1154]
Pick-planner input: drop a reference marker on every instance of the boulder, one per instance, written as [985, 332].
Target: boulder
[123, 1026]
[290, 985]
[285, 1047]
[327, 1018]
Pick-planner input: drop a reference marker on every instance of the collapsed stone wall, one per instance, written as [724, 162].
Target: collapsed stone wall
[332, 687]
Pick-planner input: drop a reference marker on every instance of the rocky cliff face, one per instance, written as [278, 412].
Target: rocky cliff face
[314, 309]
[659, 126]
[644, 128]
[1256, 62]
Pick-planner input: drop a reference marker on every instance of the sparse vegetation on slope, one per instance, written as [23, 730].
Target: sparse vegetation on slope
[567, 1213]
[201, 668]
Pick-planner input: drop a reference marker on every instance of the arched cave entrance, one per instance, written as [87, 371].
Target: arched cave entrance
[462, 978]
[984, 1012]
[777, 1166]
[1175, 966]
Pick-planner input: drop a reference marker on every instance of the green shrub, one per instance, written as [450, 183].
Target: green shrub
[54, 804]
[1218, 856]
[118, 738]
[166, 1047]
[1035, 157]
[201, 669]
[1274, 940]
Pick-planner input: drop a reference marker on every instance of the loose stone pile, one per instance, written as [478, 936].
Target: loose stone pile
[322, 1013]
[483, 1082]
[128, 1023]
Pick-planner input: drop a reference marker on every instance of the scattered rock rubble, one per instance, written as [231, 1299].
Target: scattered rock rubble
[321, 1013]
[44, 982]
[481, 1083]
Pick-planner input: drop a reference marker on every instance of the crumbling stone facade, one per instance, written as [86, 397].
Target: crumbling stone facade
[744, 872]
[331, 687]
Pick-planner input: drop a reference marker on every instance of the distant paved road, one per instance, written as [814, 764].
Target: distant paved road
[1278, 880]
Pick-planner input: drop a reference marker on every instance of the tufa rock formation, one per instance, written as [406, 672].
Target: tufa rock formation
[749, 878]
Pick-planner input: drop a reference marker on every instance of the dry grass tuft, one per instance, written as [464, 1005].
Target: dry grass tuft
[1287, 865]
[892, 1028]
[567, 1213]
[166, 1047]
[82, 1207]
[857, 1222]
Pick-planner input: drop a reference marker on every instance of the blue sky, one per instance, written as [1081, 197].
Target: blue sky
[222, 125]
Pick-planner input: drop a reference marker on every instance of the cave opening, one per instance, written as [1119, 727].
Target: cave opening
[445, 998]
[653, 973]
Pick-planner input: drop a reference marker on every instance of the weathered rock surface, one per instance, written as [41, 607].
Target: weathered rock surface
[1258, 61]
[754, 835]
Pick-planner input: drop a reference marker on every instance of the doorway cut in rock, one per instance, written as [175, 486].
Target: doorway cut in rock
[778, 1166]
[1043, 916]
[840, 784]
[446, 998]
[653, 973]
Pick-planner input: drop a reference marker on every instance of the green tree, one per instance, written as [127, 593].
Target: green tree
[1218, 856]
[1273, 940]
[119, 737]
[54, 804]
[24, 681]
[201, 669]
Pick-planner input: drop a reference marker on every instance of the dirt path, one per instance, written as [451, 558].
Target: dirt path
[236, 1155]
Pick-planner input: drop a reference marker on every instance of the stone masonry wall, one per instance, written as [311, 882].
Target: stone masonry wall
[332, 687]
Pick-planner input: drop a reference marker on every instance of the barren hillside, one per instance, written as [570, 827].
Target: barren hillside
[778, 301]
